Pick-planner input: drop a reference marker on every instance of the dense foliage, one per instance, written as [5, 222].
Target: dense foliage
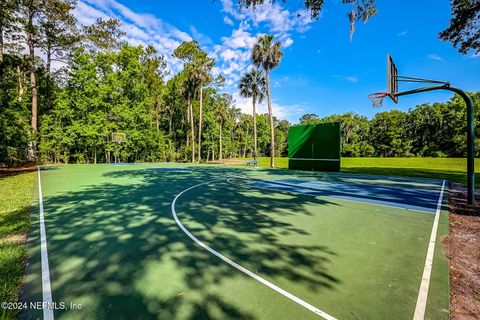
[464, 29]
[125, 91]
[104, 85]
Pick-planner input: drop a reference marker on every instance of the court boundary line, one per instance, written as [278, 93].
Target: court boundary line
[421, 305]
[46, 288]
[324, 196]
[279, 290]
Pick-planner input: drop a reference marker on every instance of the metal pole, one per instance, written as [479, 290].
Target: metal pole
[470, 145]
[470, 133]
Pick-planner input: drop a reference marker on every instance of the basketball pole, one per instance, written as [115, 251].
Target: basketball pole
[470, 133]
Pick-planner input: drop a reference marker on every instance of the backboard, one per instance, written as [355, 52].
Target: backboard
[119, 137]
[392, 79]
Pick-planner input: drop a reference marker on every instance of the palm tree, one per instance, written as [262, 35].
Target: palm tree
[222, 103]
[222, 117]
[201, 74]
[267, 54]
[252, 85]
[188, 91]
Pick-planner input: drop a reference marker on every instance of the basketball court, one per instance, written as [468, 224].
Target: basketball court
[172, 241]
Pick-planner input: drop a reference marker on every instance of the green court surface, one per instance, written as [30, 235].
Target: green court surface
[205, 242]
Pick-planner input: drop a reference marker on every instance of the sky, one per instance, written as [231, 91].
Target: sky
[321, 72]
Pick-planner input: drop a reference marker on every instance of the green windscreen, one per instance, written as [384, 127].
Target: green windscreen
[314, 147]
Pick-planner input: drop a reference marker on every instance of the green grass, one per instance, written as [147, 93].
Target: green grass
[15, 202]
[453, 169]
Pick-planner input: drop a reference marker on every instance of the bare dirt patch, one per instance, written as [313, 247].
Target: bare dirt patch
[463, 252]
[231, 161]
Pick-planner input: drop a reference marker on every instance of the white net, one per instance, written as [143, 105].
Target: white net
[377, 99]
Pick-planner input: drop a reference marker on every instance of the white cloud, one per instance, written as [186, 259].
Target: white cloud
[403, 33]
[240, 38]
[352, 79]
[200, 37]
[233, 54]
[289, 112]
[140, 28]
[288, 42]
[435, 57]
[86, 14]
[228, 54]
[474, 55]
[228, 21]
[274, 17]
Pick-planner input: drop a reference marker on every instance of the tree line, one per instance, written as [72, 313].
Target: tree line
[428, 130]
[102, 85]
[106, 86]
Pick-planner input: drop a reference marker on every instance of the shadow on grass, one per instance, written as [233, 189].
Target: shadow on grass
[15, 222]
[116, 249]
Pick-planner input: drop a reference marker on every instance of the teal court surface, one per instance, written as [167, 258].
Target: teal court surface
[171, 241]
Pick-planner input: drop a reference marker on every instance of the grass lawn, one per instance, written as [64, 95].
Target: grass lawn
[453, 169]
[15, 201]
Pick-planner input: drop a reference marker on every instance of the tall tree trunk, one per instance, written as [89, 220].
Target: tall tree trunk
[200, 125]
[49, 78]
[192, 129]
[1, 45]
[188, 120]
[246, 144]
[33, 83]
[21, 90]
[213, 149]
[220, 151]
[254, 128]
[270, 115]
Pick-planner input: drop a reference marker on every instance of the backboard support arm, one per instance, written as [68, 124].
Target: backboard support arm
[470, 132]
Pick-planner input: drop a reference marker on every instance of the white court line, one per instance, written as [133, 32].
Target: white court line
[46, 289]
[239, 267]
[423, 292]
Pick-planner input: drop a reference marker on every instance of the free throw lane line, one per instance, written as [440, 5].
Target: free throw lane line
[239, 267]
[427, 270]
[46, 289]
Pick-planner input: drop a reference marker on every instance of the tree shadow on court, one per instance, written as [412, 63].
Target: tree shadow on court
[115, 248]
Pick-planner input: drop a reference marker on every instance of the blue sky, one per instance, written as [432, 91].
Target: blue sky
[321, 72]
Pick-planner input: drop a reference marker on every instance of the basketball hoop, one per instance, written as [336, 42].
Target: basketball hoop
[377, 98]
[119, 137]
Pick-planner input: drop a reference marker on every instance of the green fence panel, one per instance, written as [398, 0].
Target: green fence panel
[314, 147]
